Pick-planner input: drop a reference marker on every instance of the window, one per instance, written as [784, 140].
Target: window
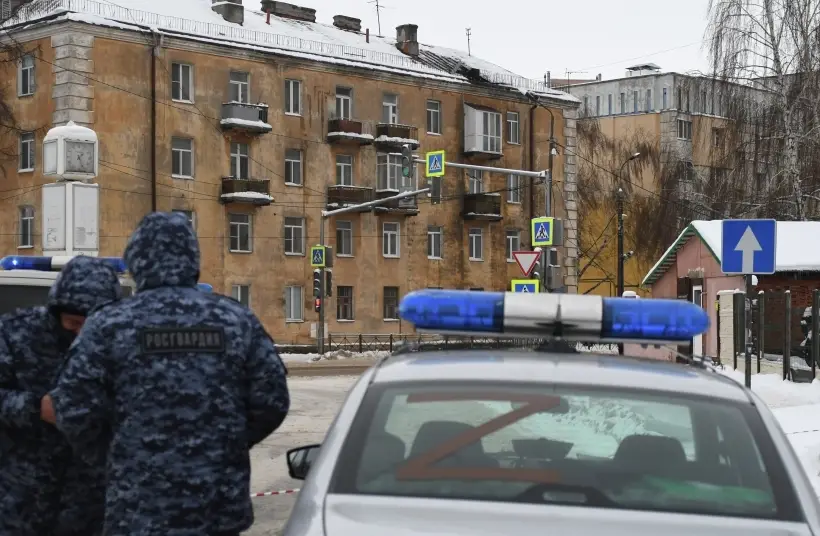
[475, 181]
[684, 129]
[586, 104]
[26, 151]
[388, 168]
[344, 170]
[189, 215]
[491, 132]
[718, 135]
[240, 161]
[344, 303]
[293, 97]
[513, 128]
[242, 294]
[182, 82]
[635, 101]
[703, 102]
[623, 103]
[294, 236]
[597, 105]
[294, 304]
[240, 87]
[240, 232]
[391, 303]
[433, 117]
[680, 98]
[182, 157]
[5, 9]
[25, 76]
[344, 103]
[26, 227]
[513, 243]
[390, 239]
[513, 188]
[609, 104]
[434, 236]
[344, 239]
[688, 98]
[293, 167]
[665, 102]
[390, 109]
[649, 100]
[476, 244]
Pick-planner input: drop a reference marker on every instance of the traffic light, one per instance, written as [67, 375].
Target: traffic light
[317, 283]
[328, 283]
[406, 160]
[317, 304]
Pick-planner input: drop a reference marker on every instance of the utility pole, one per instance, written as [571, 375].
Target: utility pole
[620, 215]
[378, 14]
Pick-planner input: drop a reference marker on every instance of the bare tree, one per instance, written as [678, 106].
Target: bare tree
[767, 53]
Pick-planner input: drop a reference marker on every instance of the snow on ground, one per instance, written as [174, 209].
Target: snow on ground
[372, 355]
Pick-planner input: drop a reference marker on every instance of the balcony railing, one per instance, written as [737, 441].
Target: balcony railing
[485, 206]
[249, 191]
[339, 196]
[251, 118]
[349, 131]
[393, 135]
[409, 206]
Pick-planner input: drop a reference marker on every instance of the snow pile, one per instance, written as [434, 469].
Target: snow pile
[247, 195]
[245, 123]
[369, 355]
[349, 135]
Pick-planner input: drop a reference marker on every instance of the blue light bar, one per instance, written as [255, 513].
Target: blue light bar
[52, 264]
[574, 317]
[205, 287]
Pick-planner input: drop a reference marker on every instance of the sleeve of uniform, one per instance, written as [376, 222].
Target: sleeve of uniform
[18, 409]
[268, 397]
[80, 398]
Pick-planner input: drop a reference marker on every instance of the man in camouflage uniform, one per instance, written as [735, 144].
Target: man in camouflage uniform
[36, 463]
[187, 381]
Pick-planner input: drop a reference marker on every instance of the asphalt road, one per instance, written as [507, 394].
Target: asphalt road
[314, 403]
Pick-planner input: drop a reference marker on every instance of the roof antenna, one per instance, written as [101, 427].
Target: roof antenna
[469, 33]
[379, 7]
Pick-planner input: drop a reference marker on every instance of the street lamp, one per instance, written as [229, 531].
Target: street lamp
[620, 208]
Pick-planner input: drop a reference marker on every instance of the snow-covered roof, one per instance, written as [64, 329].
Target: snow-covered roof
[194, 19]
[798, 246]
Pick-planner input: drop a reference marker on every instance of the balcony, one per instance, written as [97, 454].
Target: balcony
[339, 196]
[349, 132]
[408, 206]
[392, 136]
[486, 207]
[246, 118]
[247, 191]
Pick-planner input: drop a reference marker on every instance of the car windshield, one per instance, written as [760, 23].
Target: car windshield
[559, 445]
[14, 297]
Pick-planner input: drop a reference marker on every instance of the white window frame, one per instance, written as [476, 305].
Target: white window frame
[235, 228]
[26, 82]
[435, 240]
[240, 154]
[240, 90]
[684, 130]
[344, 170]
[388, 171]
[295, 249]
[26, 161]
[344, 103]
[514, 128]
[434, 117]
[293, 97]
[514, 189]
[391, 236]
[189, 214]
[475, 181]
[395, 315]
[476, 243]
[491, 132]
[512, 242]
[390, 108]
[352, 297]
[178, 79]
[26, 235]
[293, 165]
[238, 292]
[294, 309]
[177, 173]
[344, 234]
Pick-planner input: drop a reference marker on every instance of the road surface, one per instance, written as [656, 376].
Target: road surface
[314, 403]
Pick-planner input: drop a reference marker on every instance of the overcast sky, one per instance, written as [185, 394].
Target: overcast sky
[531, 37]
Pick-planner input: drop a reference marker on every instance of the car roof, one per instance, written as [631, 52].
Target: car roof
[586, 369]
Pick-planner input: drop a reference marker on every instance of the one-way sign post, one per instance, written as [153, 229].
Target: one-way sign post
[748, 247]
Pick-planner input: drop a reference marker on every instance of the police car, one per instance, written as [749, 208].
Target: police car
[496, 442]
[26, 280]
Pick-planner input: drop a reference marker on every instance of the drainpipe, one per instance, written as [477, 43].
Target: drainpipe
[532, 159]
[154, 52]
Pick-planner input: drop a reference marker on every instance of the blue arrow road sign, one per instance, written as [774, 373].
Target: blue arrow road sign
[748, 247]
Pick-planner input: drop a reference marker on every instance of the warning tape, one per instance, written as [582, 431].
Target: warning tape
[271, 493]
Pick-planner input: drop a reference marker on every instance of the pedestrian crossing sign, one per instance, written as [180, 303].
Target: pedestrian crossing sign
[435, 164]
[317, 256]
[542, 231]
[525, 285]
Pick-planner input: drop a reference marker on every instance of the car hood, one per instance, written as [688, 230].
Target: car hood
[348, 515]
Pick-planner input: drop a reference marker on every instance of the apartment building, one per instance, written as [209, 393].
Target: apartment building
[251, 119]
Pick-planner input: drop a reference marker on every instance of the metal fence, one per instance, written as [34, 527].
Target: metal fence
[359, 342]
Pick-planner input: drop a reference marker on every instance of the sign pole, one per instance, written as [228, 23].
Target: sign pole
[320, 329]
[747, 373]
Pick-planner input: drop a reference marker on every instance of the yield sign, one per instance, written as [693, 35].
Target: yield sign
[526, 260]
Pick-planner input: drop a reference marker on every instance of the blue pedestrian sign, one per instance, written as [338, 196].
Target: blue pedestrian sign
[542, 231]
[748, 247]
[435, 164]
[525, 285]
[317, 256]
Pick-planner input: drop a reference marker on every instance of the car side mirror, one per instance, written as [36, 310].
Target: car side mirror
[300, 459]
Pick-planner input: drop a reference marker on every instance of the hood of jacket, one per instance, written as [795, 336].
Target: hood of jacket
[163, 252]
[84, 284]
